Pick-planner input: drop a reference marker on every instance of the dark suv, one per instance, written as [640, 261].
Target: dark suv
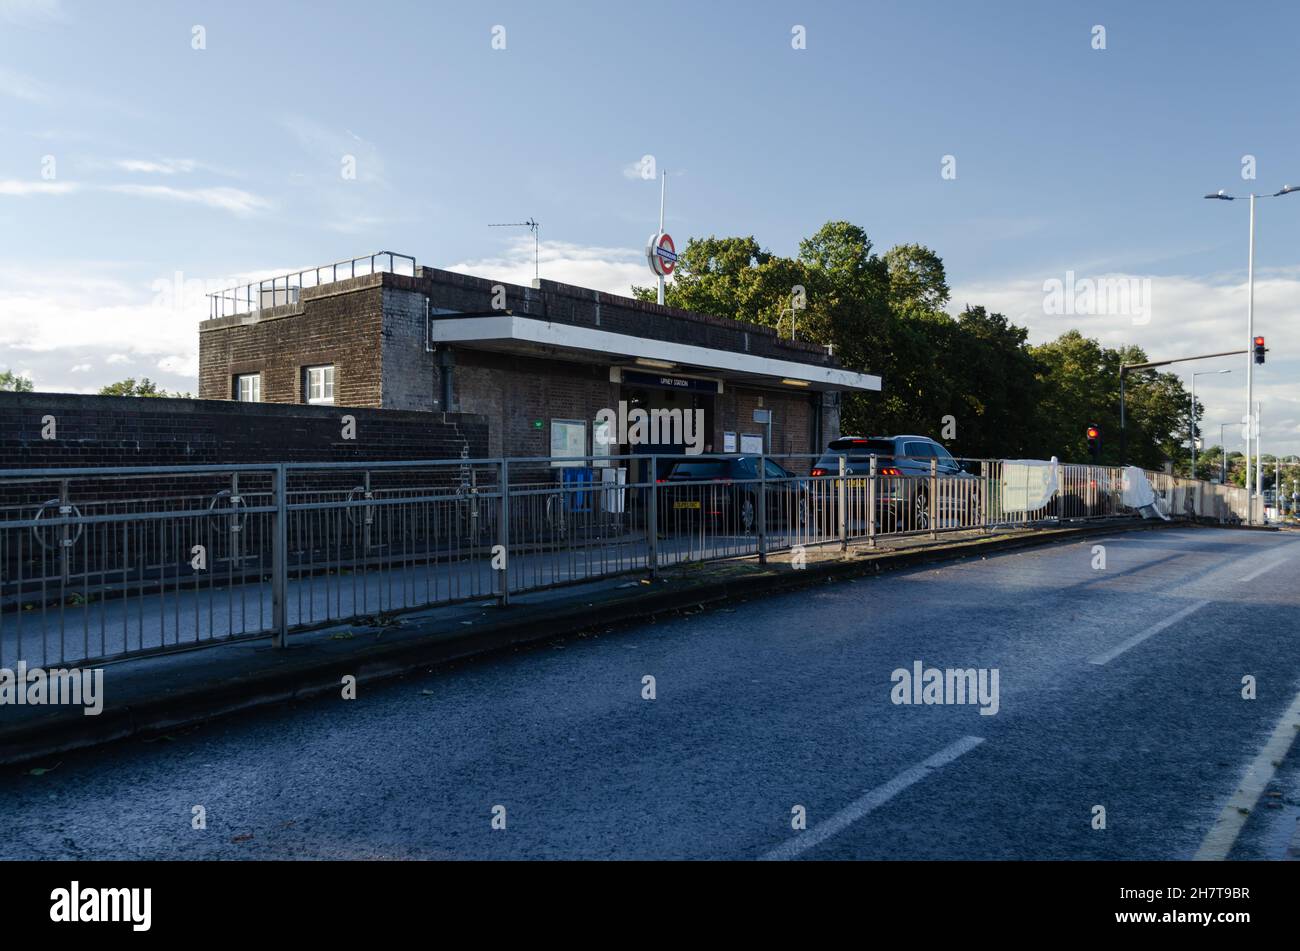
[903, 473]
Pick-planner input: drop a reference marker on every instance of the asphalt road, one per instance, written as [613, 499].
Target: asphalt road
[1118, 687]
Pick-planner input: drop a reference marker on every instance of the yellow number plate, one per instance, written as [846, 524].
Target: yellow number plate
[686, 505]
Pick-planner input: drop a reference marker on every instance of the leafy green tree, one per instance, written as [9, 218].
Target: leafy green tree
[1080, 385]
[886, 315]
[11, 382]
[131, 387]
[994, 381]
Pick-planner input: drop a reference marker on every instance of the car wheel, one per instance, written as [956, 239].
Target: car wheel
[748, 514]
[921, 508]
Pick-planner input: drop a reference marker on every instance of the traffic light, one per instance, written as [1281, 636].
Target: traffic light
[1094, 443]
[1259, 349]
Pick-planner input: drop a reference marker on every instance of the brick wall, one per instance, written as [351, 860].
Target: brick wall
[792, 420]
[131, 431]
[409, 376]
[513, 392]
[339, 324]
[372, 329]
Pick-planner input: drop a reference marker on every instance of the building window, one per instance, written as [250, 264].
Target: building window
[320, 384]
[248, 388]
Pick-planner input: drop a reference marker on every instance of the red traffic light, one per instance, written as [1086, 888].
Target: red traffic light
[1259, 341]
[1093, 432]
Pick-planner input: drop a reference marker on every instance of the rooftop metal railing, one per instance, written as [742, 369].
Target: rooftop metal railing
[287, 288]
[103, 564]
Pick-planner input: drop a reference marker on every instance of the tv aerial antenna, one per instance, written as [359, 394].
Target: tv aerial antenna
[533, 226]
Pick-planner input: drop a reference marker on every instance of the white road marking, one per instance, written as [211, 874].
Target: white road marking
[871, 801]
[1138, 638]
[1255, 574]
[1223, 834]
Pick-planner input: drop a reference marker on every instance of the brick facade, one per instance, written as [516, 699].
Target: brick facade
[343, 328]
[373, 330]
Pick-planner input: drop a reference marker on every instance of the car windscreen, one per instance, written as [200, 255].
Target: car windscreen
[861, 448]
[704, 469]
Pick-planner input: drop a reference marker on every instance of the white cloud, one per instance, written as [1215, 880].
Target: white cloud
[613, 270]
[637, 170]
[158, 167]
[82, 327]
[1187, 316]
[22, 188]
[235, 200]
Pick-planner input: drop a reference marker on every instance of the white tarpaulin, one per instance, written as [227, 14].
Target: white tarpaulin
[1139, 495]
[1028, 484]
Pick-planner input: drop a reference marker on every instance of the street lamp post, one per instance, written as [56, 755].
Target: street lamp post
[1222, 195]
[1223, 457]
[1191, 422]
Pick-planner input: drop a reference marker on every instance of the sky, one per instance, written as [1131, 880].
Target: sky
[151, 152]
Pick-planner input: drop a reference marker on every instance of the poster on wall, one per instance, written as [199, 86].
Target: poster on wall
[751, 444]
[568, 442]
[728, 442]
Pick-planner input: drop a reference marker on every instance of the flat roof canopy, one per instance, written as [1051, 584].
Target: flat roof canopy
[517, 334]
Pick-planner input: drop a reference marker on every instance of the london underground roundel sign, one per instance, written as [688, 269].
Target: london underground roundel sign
[661, 253]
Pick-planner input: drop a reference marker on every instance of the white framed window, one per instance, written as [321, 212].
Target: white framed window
[248, 387]
[320, 384]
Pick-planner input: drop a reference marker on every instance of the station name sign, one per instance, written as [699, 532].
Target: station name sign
[669, 382]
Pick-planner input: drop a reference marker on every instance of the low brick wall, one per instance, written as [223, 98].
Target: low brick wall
[133, 431]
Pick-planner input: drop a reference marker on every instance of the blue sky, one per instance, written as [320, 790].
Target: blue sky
[224, 162]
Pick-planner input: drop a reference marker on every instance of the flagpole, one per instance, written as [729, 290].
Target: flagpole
[663, 188]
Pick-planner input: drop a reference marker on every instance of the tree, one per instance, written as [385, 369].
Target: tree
[11, 382]
[130, 387]
[995, 386]
[886, 315]
[1080, 385]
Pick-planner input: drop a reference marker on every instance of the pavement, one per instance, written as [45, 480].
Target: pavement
[1119, 689]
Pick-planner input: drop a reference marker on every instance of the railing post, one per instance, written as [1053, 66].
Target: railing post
[871, 503]
[986, 495]
[934, 497]
[65, 536]
[503, 533]
[280, 560]
[842, 505]
[761, 515]
[368, 518]
[1056, 502]
[652, 519]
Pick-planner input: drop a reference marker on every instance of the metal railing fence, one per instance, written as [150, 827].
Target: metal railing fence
[109, 563]
[287, 288]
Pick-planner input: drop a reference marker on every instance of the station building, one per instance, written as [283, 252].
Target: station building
[538, 363]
